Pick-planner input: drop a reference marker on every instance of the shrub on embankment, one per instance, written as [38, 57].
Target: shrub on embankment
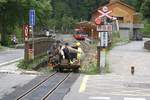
[41, 45]
[89, 64]
[0, 46]
[146, 29]
[90, 68]
[118, 40]
[33, 64]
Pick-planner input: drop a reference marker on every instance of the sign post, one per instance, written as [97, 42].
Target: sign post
[26, 38]
[26, 32]
[32, 17]
[32, 24]
[103, 36]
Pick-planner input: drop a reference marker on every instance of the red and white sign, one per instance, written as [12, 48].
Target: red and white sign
[26, 32]
[105, 9]
[105, 13]
[98, 21]
[104, 28]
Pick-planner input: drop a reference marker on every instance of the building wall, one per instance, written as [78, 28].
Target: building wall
[124, 13]
[128, 19]
[118, 10]
[137, 19]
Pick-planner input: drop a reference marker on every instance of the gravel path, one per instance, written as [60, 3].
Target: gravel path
[121, 58]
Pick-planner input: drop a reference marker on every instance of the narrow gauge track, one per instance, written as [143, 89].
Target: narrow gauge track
[43, 89]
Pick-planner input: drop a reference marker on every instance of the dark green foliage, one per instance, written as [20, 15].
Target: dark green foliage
[142, 6]
[145, 9]
[75, 8]
[61, 14]
[14, 13]
[146, 29]
[138, 4]
[33, 64]
[23, 65]
[67, 12]
[133, 3]
[91, 69]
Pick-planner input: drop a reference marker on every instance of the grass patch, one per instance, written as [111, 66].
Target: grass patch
[146, 36]
[33, 64]
[0, 46]
[146, 29]
[91, 68]
[107, 69]
[46, 70]
[117, 40]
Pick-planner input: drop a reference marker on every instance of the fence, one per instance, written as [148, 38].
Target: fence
[41, 45]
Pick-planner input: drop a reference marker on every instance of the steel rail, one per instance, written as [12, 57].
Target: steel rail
[56, 86]
[36, 86]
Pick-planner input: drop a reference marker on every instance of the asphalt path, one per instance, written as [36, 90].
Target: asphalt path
[120, 84]
[11, 54]
[10, 82]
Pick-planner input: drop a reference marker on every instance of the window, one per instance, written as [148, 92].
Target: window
[120, 19]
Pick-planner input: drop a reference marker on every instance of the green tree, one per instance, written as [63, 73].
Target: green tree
[145, 9]
[15, 13]
[67, 12]
[138, 4]
[68, 22]
[146, 29]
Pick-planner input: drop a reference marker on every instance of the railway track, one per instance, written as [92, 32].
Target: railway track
[45, 88]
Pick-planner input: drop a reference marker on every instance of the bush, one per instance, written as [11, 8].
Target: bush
[115, 37]
[7, 35]
[33, 64]
[18, 32]
[8, 40]
[0, 46]
[0, 37]
[117, 40]
[146, 29]
[23, 65]
[91, 68]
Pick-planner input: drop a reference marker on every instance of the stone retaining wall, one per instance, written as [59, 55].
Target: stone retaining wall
[41, 45]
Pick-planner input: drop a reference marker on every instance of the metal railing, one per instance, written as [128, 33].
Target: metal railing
[130, 25]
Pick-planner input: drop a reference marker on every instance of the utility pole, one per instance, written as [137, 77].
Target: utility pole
[103, 29]
[32, 24]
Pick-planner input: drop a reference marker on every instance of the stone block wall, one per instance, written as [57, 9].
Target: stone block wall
[41, 46]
